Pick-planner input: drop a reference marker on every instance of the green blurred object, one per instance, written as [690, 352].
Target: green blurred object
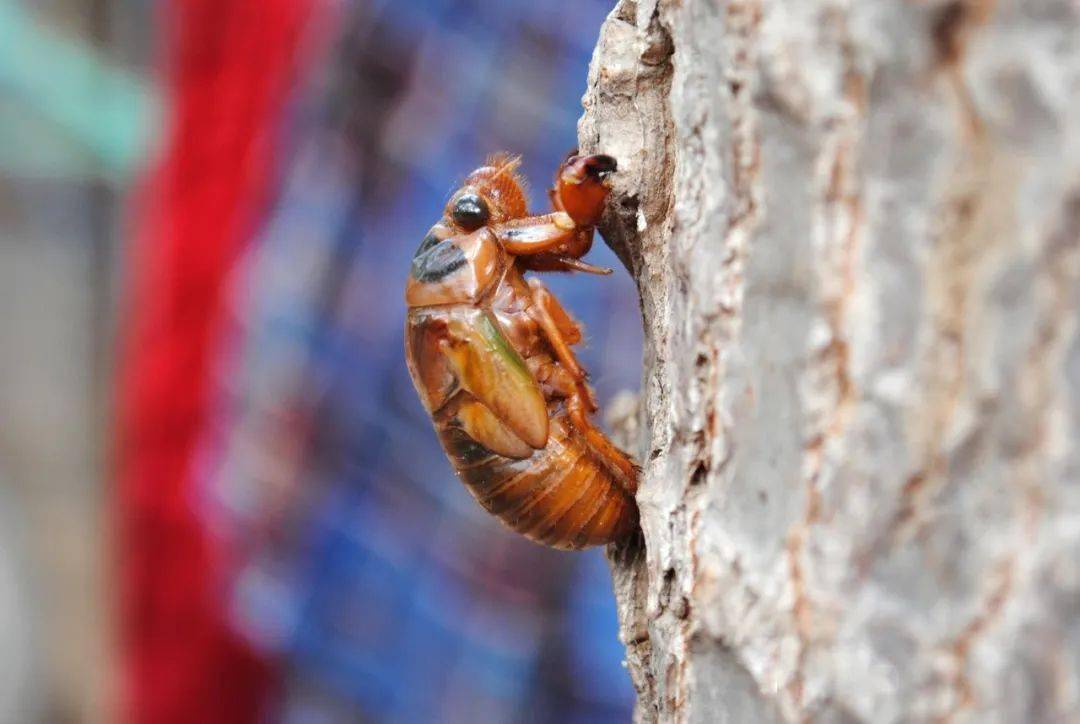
[64, 110]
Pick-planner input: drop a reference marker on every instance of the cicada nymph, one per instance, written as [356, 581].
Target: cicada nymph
[491, 355]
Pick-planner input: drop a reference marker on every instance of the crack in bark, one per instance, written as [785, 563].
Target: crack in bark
[1059, 268]
[960, 647]
[842, 226]
[958, 246]
[957, 252]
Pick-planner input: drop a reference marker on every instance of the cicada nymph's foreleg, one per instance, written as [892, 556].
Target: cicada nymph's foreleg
[553, 233]
[552, 242]
[581, 187]
[557, 241]
[554, 200]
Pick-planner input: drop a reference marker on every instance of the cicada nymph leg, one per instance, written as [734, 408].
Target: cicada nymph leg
[581, 187]
[553, 198]
[552, 242]
[563, 386]
[548, 233]
[561, 331]
[569, 379]
[557, 241]
[619, 463]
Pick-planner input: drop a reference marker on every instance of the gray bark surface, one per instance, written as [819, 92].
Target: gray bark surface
[855, 228]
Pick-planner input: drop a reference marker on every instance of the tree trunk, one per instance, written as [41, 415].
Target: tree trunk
[855, 228]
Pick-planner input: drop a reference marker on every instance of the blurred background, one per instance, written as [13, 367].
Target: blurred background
[220, 500]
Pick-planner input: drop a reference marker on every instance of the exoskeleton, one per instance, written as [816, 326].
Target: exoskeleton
[490, 353]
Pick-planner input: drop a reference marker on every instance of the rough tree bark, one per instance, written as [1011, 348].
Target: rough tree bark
[855, 227]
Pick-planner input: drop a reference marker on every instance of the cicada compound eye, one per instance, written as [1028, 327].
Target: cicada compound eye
[470, 211]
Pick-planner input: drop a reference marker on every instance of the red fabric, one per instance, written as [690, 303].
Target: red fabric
[230, 65]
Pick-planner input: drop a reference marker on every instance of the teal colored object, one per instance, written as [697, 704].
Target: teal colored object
[64, 110]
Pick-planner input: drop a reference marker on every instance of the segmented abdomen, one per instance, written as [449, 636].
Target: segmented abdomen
[562, 496]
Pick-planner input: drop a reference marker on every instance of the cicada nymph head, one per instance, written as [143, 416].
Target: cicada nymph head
[491, 194]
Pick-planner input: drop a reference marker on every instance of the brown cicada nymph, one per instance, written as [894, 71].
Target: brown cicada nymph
[491, 356]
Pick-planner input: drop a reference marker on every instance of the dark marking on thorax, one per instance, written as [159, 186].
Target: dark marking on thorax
[436, 259]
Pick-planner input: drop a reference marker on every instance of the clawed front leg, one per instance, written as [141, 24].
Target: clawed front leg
[557, 241]
[551, 233]
[551, 242]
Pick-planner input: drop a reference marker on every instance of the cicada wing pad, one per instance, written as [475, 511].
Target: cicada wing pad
[470, 377]
[488, 367]
[481, 424]
[430, 370]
